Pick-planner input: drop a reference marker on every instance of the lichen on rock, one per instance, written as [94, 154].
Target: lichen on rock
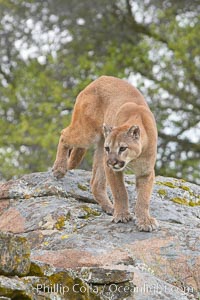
[14, 255]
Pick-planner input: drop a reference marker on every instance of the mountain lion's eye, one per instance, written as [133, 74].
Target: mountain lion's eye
[121, 149]
[107, 149]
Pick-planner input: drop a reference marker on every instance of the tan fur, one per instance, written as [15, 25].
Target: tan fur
[112, 114]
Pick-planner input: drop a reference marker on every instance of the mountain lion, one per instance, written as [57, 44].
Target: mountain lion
[113, 114]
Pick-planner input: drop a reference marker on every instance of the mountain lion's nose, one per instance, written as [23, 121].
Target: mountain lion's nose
[112, 161]
[115, 163]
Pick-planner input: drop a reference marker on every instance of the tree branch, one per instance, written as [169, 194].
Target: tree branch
[185, 143]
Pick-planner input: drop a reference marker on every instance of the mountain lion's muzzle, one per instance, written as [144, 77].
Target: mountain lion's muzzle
[115, 164]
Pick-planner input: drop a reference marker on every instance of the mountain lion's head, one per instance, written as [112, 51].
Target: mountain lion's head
[122, 145]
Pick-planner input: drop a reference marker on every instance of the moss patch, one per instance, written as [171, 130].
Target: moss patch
[64, 279]
[185, 201]
[61, 221]
[166, 183]
[49, 277]
[189, 198]
[185, 188]
[128, 182]
[36, 270]
[191, 203]
[180, 200]
[82, 187]
[90, 212]
[66, 236]
[162, 192]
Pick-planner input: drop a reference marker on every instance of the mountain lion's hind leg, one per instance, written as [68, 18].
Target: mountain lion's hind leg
[71, 149]
[75, 158]
[98, 181]
[84, 130]
[60, 164]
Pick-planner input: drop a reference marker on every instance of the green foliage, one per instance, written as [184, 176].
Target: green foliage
[31, 119]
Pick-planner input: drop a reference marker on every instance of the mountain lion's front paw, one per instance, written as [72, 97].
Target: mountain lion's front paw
[147, 224]
[59, 171]
[108, 208]
[123, 217]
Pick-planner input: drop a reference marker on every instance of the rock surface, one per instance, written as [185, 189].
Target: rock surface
[14, 255]
[78, 253]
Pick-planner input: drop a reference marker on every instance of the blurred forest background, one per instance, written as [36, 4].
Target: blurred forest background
[50, 50]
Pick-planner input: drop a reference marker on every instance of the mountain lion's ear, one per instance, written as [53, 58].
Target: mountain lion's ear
[134, 132]
[106, 130]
